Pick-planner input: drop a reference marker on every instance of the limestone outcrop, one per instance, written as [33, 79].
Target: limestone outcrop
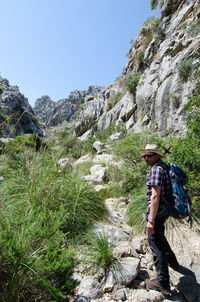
[16, 114]
[158, 93]
[53, 113]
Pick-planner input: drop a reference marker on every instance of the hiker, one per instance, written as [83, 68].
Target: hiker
[158, 192]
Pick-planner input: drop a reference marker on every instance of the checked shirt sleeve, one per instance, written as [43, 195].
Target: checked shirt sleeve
[156, 176]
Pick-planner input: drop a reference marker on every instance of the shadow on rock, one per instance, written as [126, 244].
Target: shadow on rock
[82, 299]
[186, 271]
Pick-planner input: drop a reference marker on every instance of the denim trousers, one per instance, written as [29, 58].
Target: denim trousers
[161, 251]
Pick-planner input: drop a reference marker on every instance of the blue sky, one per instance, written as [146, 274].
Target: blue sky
[52, 47]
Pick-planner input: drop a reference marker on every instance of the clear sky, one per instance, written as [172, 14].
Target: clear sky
[52, 47]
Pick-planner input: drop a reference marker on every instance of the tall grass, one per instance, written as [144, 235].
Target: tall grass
[137, 207]
[41, 210]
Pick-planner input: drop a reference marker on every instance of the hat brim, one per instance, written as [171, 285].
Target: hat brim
[147, 151]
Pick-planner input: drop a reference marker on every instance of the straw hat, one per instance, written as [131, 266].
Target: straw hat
[151, 148]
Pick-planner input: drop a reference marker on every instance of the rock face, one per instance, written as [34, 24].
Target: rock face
[158, 98]
[54, 113]
[16, 115]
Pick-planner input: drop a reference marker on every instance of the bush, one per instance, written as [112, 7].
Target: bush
[136, 208]
[113, 100]
[185, 69]
[185, 151]
[1, 89]
[134, 170]
[29, 141]
[132, 81]
[194, 28]
[102, 251]
[42, 210]
[154, 4]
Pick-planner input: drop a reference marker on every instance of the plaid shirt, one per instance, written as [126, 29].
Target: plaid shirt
[159, 177]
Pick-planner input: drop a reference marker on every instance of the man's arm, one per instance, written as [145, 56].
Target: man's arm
[155, 198]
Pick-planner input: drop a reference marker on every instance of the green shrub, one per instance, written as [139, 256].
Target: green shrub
[132, 81]
[134, 169]
[194, 28]
[113, 100]
[31, 253]
[185, 150]
[69, 145]
[102, 251]
[28, 141]
[139, 57]
[137, 207]
[154, 4]
[42, 210]
[185, 69]
[1, 89]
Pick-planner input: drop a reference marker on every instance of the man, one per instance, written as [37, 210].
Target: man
[158, 193]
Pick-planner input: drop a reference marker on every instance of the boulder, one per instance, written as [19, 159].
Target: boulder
[90, 288]
[114, 234]
[122, 272]
[116, 136]
[98, 146]
[141, 295]
[140, 244]
[98, 174]
[82, 159]
[65, 164]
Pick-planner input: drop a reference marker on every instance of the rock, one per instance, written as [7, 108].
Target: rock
[140, 244]
[82, 299]
[82, 159]
[107, 159]
[141, 295]
[16, 114]
[120, 294]
[116, 136]
[114, 234]
[99, 188]
[122, 272]
[89, 133]
[122, 111]
[89, 115]
[90, 288]
[98, 174]
[116, 211]
[159, 99]
[5, 140]
[124, 250]
[53, 113]
[186, 284]
[64, 164]
[77, 277]
[98, 146]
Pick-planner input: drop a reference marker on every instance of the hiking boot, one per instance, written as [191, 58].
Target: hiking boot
[155, 285]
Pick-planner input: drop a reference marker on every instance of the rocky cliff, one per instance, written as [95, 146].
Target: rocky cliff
[16, 115]
[54, 113]
[157, 79]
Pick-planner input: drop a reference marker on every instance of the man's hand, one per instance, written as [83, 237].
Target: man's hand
[150, 227]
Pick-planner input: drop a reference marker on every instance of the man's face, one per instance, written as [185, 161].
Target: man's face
[151, 158]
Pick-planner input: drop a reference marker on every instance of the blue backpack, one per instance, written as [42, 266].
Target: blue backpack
[180, 203]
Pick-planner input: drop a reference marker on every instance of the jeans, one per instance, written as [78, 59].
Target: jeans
[161, 251]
